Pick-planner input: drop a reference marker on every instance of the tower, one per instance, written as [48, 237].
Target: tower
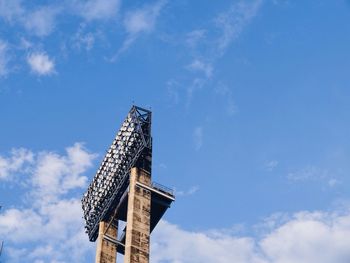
[122, 190]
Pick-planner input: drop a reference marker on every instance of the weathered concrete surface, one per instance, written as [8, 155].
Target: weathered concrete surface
[137, 244]
[106, 252]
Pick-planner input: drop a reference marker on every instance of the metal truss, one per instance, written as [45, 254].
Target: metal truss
[112, 178]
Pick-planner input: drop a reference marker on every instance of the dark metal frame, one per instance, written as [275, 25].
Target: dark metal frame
[142, 120]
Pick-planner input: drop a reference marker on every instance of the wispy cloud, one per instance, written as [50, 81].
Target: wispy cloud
[308, 173]
[96, 9]
[173, 91]
[233, 21]
[227, 94]
[194, 37]
[270, 165]
[83, 39]
[281, 2]
[191, 191]
[177, 90]
[197, 84]
[41, 22]
[213, 41]
[313, 173]
[11, 10]
[201, 66]
[142, 20]
[4, 58]
[41, 64]
[139, 21]
[198, 138]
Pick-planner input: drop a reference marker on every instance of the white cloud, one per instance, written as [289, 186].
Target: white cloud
[41, 22]
[41, 64]
[3, 58]
[193, 37]
[50, 227]
[280, 2]
[16, 163]
[233, 21]
[191, 191]
[97, 9]
[139, 21]
[198, 138]
[142, 20]
[52, 231]
[314, 174]
[11, 10]
[310, 173]
[199, 65]
[298, 239]
[307, 234]
[55, 175]
[192, 247]
[86, 41]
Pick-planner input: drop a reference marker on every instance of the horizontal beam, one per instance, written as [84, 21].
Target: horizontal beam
[113, 241]
[155, 191]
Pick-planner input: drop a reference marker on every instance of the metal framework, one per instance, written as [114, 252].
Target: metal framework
[132, 141]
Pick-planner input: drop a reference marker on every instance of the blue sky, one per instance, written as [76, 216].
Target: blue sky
[251, 109]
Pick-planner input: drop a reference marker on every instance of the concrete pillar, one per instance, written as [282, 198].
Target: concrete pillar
[137, 243]
[106, 252]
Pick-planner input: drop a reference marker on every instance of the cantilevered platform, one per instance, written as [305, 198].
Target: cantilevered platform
[161, 199]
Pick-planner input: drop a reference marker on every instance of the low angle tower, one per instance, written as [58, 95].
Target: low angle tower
[122, 204]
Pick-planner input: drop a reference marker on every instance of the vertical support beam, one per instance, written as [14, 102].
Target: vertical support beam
[106, 252]
[137, 243]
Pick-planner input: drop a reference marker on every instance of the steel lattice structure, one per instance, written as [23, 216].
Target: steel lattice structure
[111, 180]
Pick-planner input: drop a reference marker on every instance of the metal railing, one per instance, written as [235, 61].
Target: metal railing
[163, 188]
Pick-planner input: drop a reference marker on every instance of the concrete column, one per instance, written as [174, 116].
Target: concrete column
[106, 252]
[137, 243]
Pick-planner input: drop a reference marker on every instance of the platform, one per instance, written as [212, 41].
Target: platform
[161, 199]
